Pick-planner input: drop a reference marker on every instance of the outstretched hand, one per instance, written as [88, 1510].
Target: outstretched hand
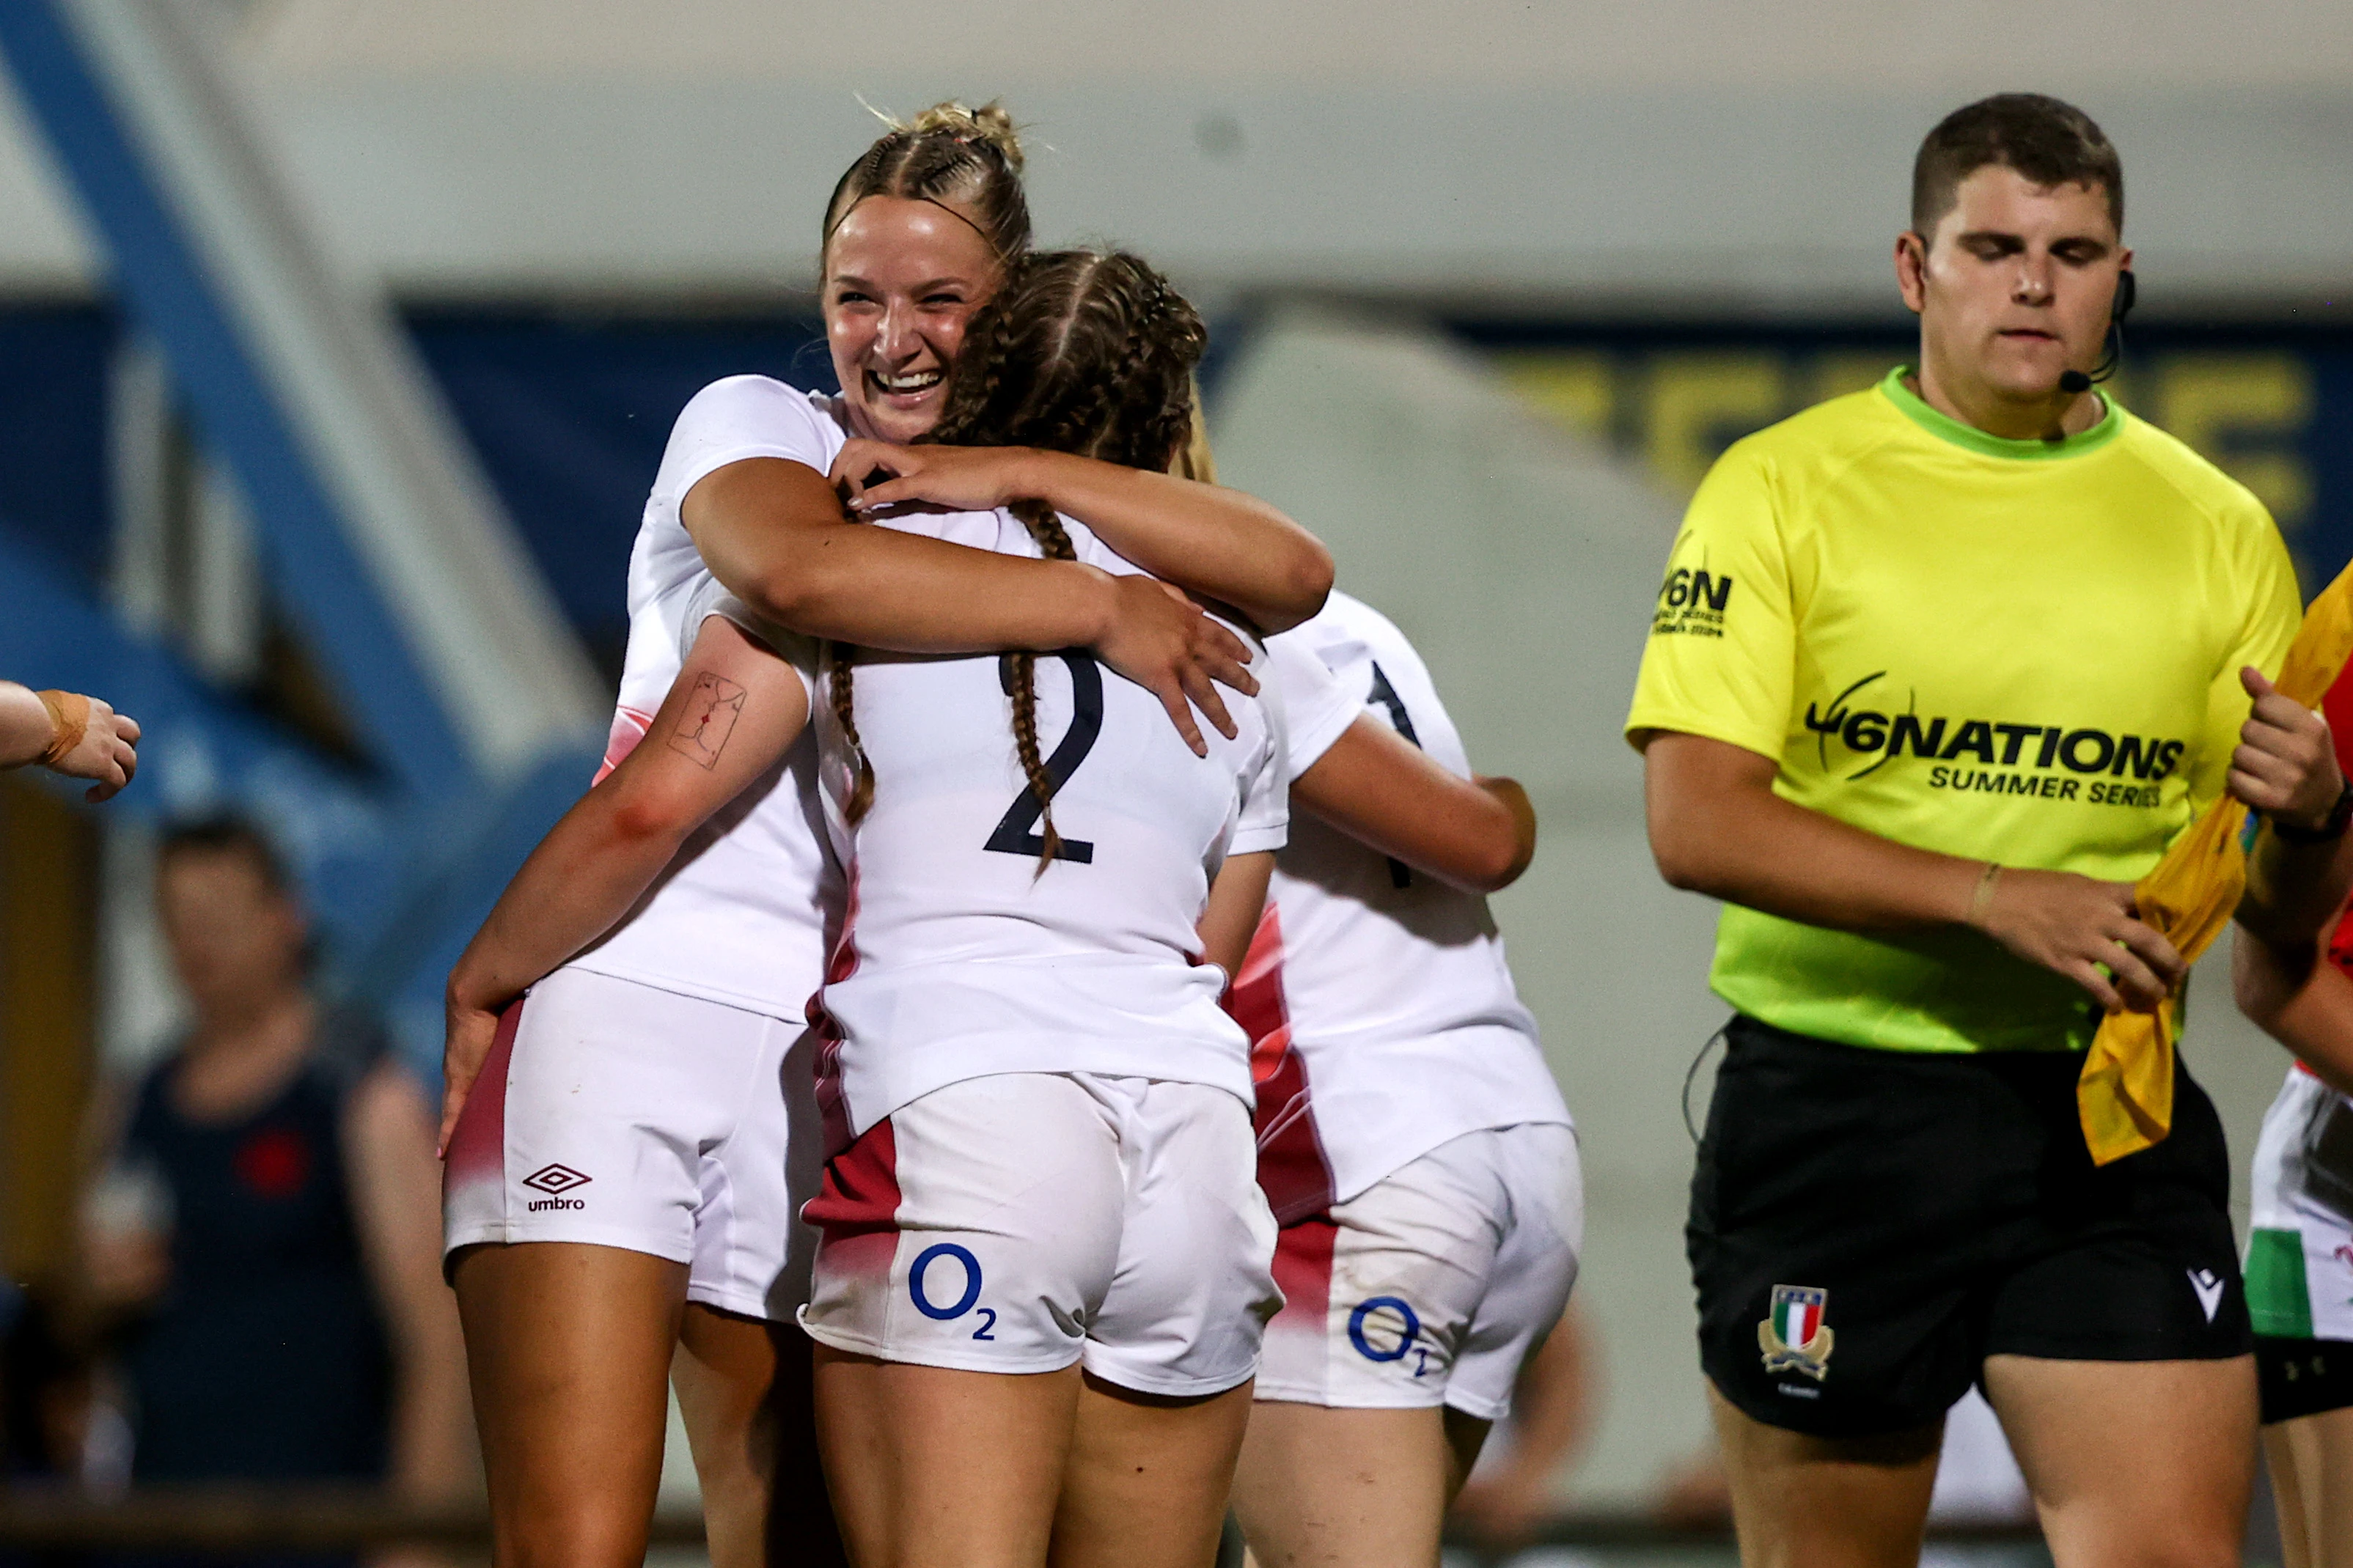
[2285, 762]
[106, 750]
[877, 474]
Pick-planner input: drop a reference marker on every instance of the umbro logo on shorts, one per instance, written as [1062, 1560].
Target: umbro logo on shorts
[555, 1181]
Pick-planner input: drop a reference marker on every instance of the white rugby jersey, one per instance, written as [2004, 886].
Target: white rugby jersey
[739, 916]
[1382, 1016]
[959, 961]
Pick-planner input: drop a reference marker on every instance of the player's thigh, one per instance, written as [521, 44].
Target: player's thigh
[1148, 1477]
[2306, 1392]
[1804, 1501]
[930, 1465]
[744, 1392]
[1323, 1488]
[2132, 1462]
[568, 1347]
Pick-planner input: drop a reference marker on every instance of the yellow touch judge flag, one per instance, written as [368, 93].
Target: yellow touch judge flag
[2124, 1096]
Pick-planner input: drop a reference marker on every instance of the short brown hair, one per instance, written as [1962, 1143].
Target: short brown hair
[2047, 142]
[228, 834]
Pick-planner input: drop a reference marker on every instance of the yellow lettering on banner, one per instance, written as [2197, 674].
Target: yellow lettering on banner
[2244, 412]
[1696, 405]
[1573, 388]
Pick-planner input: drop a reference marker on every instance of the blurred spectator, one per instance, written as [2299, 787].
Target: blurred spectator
[265, 1228]
[1514, 1488]
[69, 734]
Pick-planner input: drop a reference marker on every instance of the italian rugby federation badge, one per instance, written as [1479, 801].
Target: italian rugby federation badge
[1795, 1338]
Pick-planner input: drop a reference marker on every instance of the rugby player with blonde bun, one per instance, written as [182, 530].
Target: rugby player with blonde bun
[620, 1207]
[69, 734]
[1938, 671]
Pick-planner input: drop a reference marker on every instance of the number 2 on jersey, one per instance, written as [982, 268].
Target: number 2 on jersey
[1018, 834]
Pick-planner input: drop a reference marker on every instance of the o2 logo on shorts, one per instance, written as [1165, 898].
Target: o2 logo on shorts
[962, 1304]
[1410, 1330]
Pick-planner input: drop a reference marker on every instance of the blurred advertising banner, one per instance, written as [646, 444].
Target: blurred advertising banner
[2271, 404]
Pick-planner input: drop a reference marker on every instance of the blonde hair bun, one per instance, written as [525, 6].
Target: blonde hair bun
[988, 123]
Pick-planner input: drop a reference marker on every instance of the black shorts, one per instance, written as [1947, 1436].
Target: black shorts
[2303, 1378]
[1868, 1226]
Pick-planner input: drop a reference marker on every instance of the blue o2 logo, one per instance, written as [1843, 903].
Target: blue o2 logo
[962, 1304]
[1365, 1310]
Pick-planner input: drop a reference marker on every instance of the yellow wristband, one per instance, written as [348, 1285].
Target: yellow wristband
[68, 722]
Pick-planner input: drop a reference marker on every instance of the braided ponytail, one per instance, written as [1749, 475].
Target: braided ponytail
[845, 714]
[1083, 351]
[1054, 544]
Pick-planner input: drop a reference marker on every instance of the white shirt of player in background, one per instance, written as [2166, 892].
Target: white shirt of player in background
[739, 916]
[1392, 985]
[967, 961]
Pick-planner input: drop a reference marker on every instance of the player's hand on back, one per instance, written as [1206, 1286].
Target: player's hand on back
[2285, 762]
[876, 474]
[1165, 643]
[2075, 925]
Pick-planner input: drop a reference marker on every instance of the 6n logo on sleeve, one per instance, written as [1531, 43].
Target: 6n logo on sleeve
[1793, 1337]
[1692, 602]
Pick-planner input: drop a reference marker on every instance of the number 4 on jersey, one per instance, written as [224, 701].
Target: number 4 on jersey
[1018, 834]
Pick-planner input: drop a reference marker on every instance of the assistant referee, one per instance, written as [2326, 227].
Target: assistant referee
[1937, 670]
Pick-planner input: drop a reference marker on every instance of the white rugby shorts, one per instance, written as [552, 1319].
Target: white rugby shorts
[1021, 1222]
[619, 1114]
[1435, 1283]
[2300, 1234]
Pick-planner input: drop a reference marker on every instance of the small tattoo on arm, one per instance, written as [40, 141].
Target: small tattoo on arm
[709, 717]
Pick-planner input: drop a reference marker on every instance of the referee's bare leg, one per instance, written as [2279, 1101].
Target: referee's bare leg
[2132, 1462]
[1825, 1502]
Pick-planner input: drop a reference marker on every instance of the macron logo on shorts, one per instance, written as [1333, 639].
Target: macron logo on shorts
[555, 1181]
[2208, 1286]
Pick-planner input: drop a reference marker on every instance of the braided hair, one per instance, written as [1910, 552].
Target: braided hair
[966, 160]
[1084, 351]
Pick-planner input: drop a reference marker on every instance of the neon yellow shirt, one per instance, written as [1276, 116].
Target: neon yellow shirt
[2021, 651]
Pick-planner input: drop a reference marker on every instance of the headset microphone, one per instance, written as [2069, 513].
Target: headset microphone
[2128, 292]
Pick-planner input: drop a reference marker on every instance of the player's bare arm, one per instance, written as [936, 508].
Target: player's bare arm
[1478, 835]
[69, 734]
[1237, 900]
[713, 707]
[1213, 542]
[596, 862]
[2293, 993]
[773, 531]
[1716, 827]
